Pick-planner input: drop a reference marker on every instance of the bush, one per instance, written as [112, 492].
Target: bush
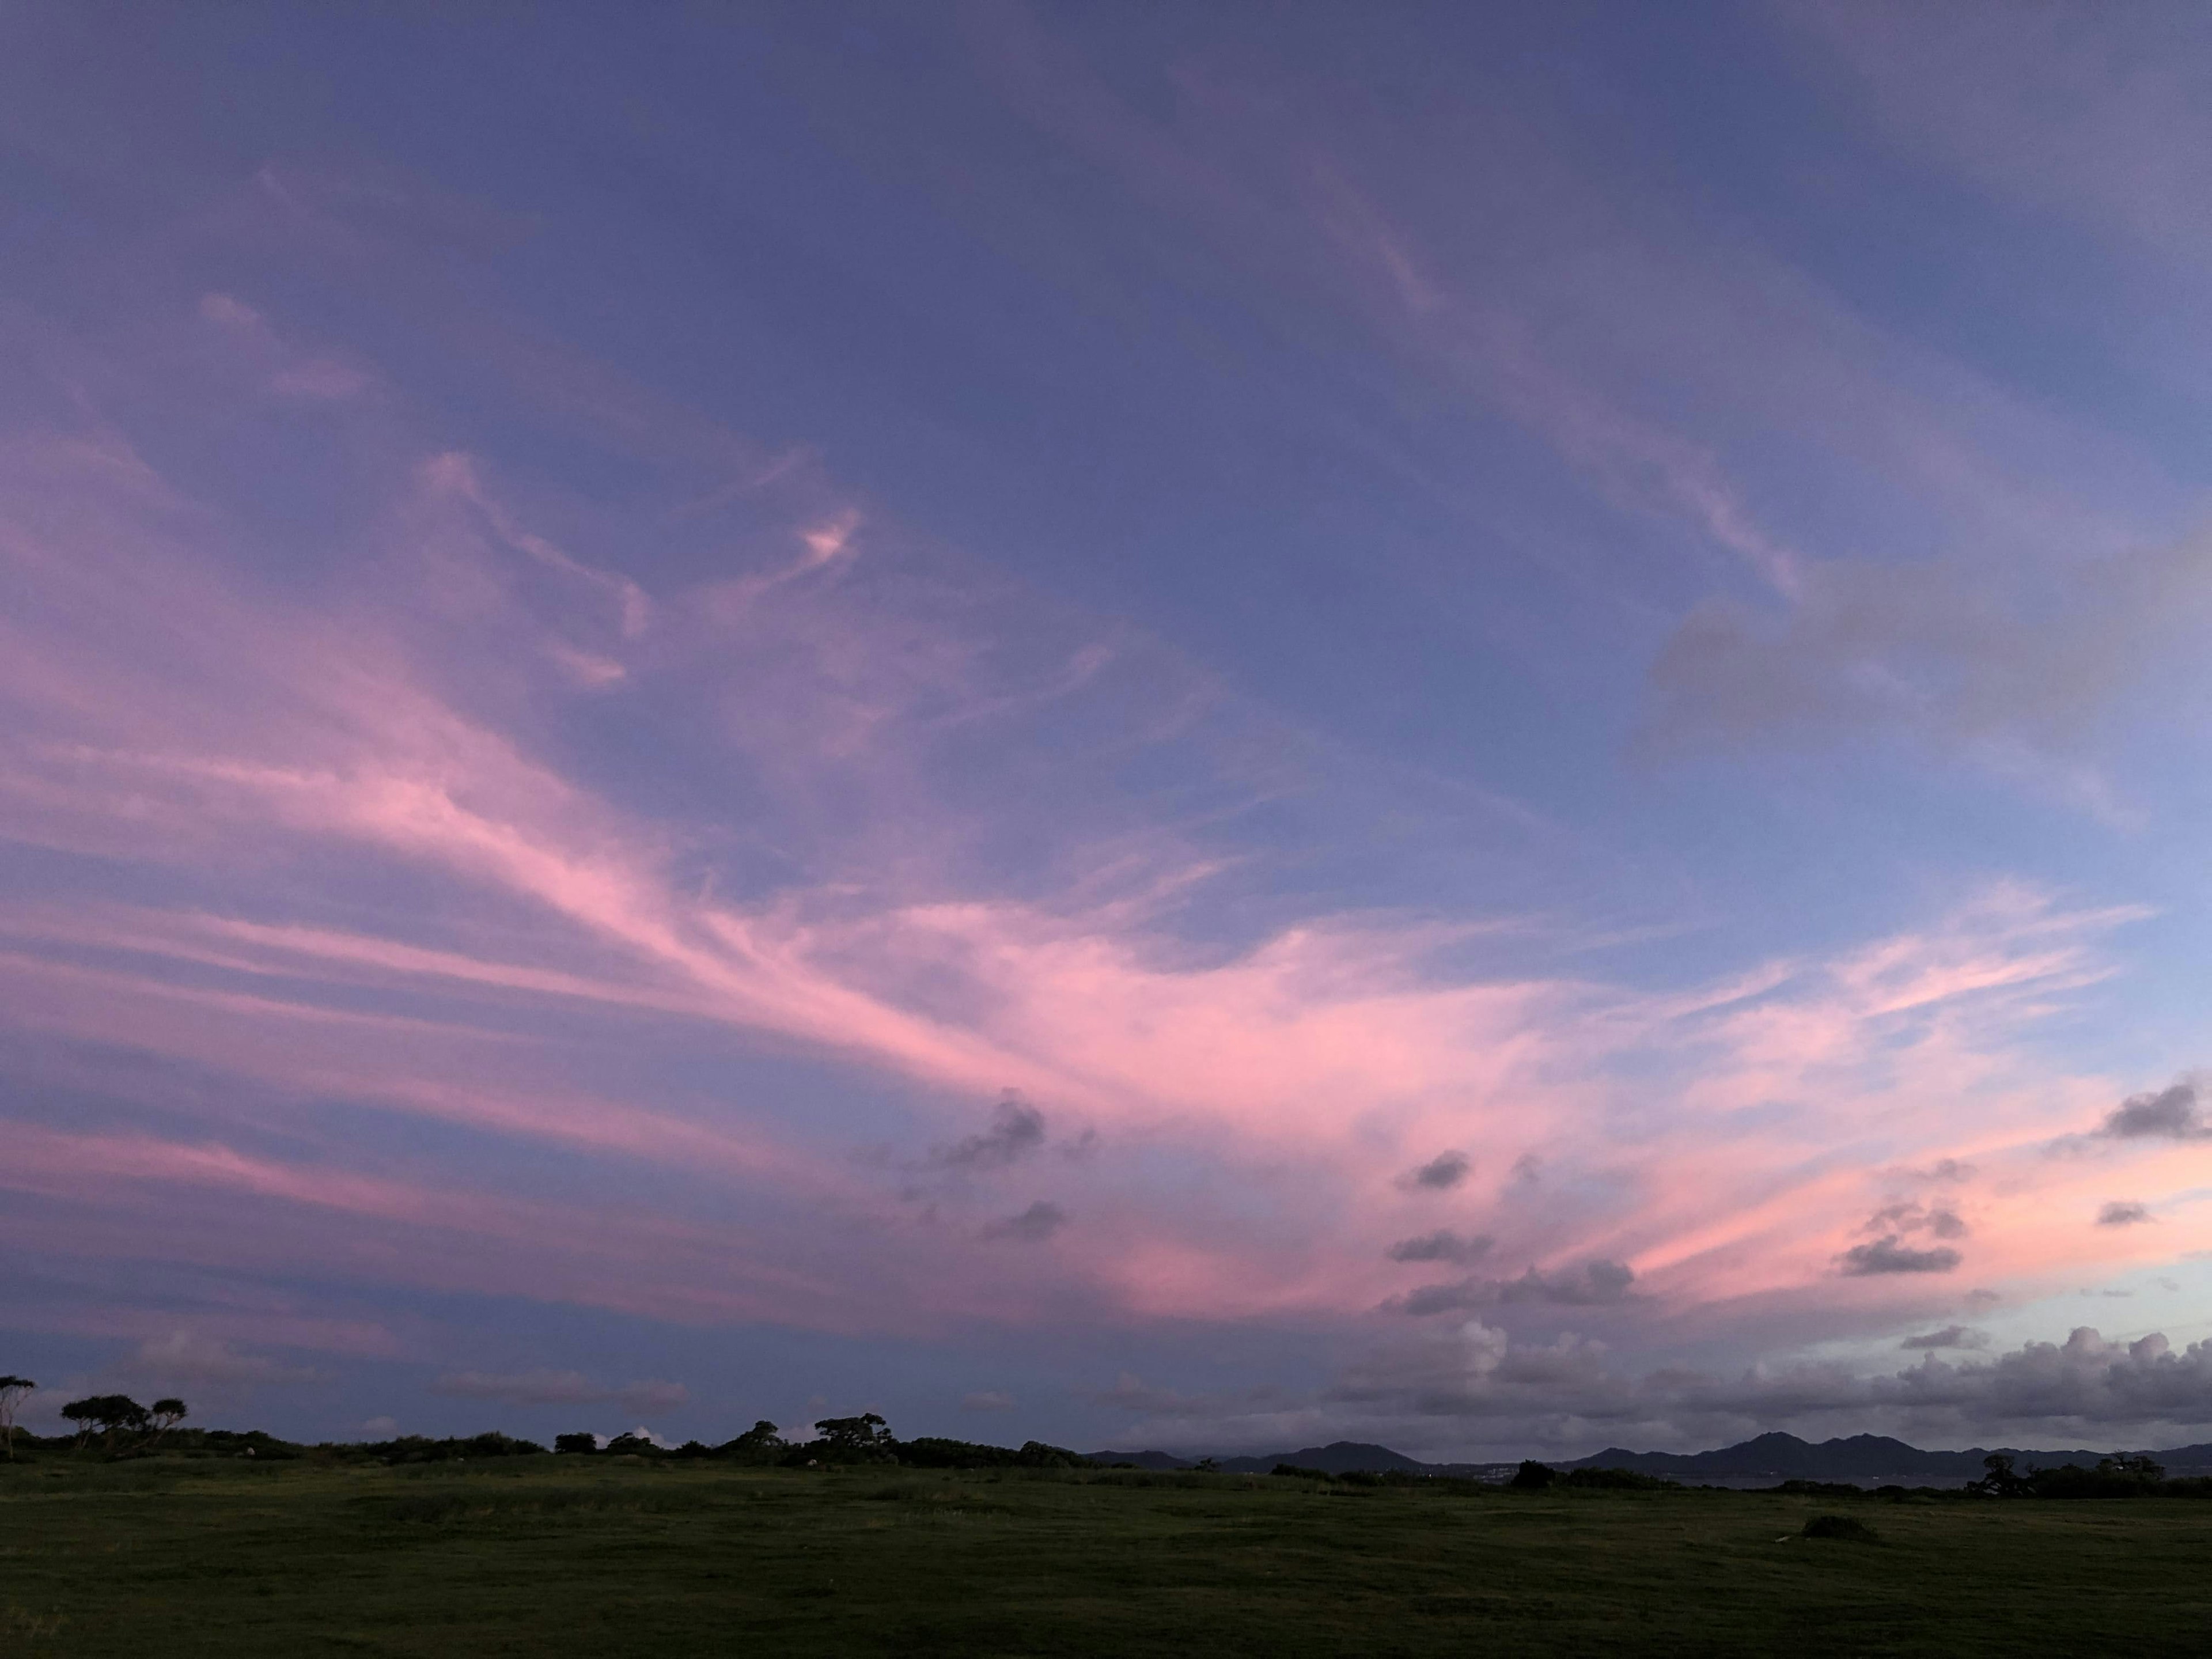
[1533, 1476]
[1841, 1525]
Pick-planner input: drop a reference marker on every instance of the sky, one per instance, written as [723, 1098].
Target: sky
[1481, 726]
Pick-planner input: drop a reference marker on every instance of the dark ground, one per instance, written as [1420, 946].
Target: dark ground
[555, 1556]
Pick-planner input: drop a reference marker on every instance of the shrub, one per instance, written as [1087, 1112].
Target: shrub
[1841, 1525]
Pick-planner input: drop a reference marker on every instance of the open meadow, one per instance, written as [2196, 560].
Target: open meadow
[558, 1555]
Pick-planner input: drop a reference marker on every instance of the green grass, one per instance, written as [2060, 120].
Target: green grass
[550, 1556]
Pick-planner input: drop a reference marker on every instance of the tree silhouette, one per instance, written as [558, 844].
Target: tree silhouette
[2001, 1481]
[108, 1414]
[166, 1414]
[865, 1437]
[12, 1389]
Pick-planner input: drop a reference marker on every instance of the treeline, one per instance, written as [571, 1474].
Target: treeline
[838, 1441]
[114, 1426]
[2112, 1477]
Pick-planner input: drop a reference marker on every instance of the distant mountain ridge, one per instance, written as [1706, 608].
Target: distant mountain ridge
[1781, 1457]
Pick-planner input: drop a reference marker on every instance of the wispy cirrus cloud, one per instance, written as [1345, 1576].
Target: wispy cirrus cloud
[528, 836]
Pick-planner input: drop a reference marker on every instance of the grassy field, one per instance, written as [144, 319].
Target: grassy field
[550, 1556]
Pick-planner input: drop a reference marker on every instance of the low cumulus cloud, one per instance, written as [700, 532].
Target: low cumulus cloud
[1017, 1131]
[2120, 1214]
[1439, 1175]
[1442, 1245]
[552, 1387]
[1951, 1336]
[1032, 1226]
[2169, 1113]
[1585, 1284]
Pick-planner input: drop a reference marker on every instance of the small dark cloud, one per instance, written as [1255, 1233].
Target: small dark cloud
[2169, 1114]
[1587, 1284]
[1949, 1168]
[1984, 1299]
[2118, 1214]
[988, 1400]
[1527, 1168]
[1912, 1218]
[1017, 1130]
[1032, 1226]
[1439, 1175]
[1890, 1254]
[1951, 1336]
[1442, 1245]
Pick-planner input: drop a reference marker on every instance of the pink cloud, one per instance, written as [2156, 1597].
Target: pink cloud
[260, 751]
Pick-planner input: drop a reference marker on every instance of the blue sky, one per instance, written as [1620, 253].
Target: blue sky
[729, 713]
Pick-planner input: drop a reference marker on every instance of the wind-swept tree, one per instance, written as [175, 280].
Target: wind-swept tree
[12, 1390]
[108, 1414]
[166, 1414]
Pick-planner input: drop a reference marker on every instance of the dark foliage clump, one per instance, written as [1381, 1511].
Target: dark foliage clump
[1841, 1525]
[934, 1452]
[1533, 1476]
[2113, 1477]
[1293, 1471]
[760, 1444]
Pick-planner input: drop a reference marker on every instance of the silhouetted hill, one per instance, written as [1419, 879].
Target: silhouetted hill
[1144, 1460]
[1337, 1457]
[1860, 1457]
[1786, 1458]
